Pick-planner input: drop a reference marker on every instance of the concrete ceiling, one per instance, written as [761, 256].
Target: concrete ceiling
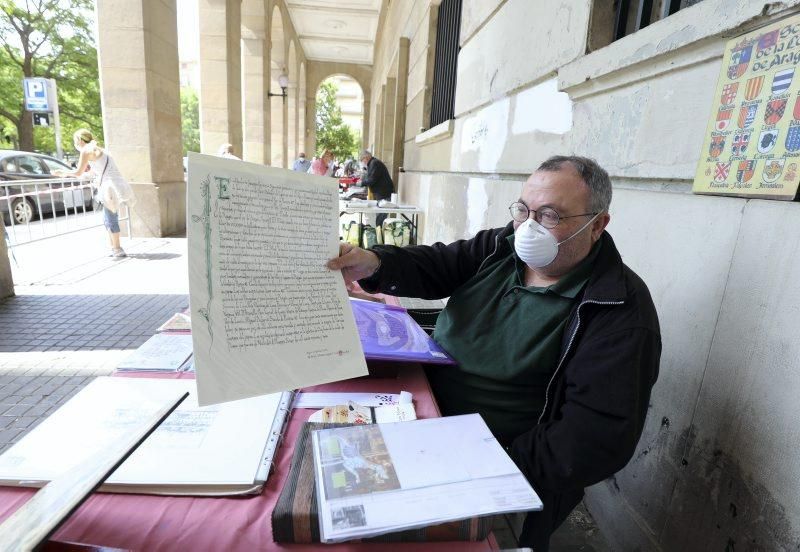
[336, 30]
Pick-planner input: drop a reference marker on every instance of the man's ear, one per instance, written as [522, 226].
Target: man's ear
[599, 225]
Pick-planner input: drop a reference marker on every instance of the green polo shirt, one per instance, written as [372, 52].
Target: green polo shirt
[507, 339]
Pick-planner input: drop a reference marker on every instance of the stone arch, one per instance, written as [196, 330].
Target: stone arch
[362, 106]
[277, 64]
[318, 71]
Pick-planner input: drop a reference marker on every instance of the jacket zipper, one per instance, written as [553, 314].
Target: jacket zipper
[569, 346]
[496, 245]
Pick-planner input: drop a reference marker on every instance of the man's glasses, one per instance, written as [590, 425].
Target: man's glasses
[547, 217]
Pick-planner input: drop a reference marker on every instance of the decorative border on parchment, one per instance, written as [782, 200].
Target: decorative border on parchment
[205, 220]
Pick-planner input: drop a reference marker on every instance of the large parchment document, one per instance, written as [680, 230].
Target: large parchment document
[267, 315]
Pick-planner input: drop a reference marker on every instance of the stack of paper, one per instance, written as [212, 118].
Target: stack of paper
[180, 322]
[376, 479]
[218, 450]
[164, 352]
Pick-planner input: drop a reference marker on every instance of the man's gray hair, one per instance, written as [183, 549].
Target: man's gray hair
[595, 177]
[365, 153]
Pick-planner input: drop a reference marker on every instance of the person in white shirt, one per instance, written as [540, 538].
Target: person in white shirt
[112, 188]
[226, 150]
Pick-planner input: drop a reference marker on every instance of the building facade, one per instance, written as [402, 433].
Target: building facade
[462, 100]
[716, 468]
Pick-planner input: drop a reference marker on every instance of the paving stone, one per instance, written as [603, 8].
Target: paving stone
[18, 409]
[9, 435]
[24, 422]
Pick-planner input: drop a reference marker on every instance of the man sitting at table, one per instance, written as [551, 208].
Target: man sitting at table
[557, 340]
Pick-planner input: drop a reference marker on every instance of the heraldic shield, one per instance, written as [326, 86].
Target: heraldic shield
[747, 115]
[774, 111]
[773, 170]
[782, 81]
[753, 88]
[724, 118]
[729, 93]
[767, 140]
[740, 58]
[721, 172]
[740, 142]
[717, 145]
[746, 171]
[793, 138]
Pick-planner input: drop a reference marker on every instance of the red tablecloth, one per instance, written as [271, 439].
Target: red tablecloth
[140, 522]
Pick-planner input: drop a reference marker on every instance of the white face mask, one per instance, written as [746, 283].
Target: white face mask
[536, 246]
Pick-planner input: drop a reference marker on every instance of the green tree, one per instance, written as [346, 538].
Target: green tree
[332, 132]
[49, 39]
[190, 120]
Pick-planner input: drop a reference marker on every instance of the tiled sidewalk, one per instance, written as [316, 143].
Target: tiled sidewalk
[76, 316]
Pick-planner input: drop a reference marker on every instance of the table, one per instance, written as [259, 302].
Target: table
[144, 522]
[362, 209]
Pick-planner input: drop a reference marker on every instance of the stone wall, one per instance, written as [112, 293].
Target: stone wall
[716, 467]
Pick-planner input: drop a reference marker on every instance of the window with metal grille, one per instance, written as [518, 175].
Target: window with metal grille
[615, 19]
[448, 28]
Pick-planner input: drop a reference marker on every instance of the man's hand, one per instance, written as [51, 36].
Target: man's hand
[354, 262]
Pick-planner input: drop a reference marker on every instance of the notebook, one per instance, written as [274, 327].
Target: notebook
[223, 449]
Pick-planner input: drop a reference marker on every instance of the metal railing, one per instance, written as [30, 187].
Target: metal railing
[34, 210]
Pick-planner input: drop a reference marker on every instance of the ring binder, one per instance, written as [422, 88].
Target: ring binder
[276, 436]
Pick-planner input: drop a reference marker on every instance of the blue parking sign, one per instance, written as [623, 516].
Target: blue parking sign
[36, 97]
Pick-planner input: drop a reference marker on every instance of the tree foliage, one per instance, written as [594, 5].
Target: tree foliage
[190, 120]
[332, 132]
[49, 39]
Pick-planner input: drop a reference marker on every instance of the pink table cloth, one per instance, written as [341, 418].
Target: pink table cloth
[141, 522]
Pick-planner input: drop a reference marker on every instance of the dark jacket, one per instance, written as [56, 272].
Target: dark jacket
[378, 179]
[598, 397]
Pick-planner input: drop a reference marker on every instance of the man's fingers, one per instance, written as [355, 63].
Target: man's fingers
[337, 263]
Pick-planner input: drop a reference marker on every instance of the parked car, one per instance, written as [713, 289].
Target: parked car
[24, 165]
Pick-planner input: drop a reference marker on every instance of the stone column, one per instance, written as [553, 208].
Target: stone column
[400, 109]
[220, 75]
[365, 120]
[311, 126]
[387, 140]
[6, 279]
[140, 92]
[291, 135]
[255, 59]
[277, 123]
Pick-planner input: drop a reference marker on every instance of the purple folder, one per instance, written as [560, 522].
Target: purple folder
[389, 333]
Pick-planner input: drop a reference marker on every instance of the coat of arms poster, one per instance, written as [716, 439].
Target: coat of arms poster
[752, 144]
